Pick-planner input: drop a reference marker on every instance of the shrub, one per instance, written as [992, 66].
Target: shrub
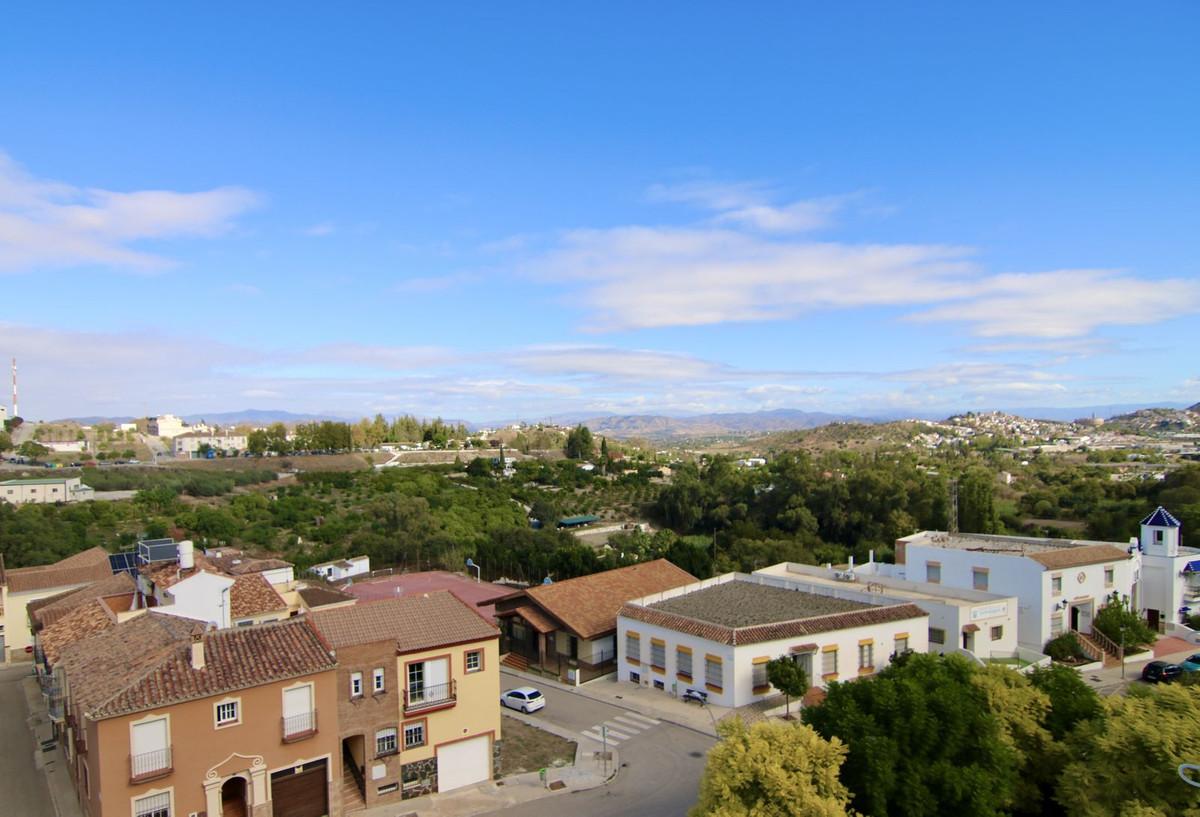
[1065, 647]
[1123, 625]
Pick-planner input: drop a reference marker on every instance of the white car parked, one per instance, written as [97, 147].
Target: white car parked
[526, 699]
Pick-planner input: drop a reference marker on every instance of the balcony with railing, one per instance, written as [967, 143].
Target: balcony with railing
[150, 765]
[299, 727]
[430, 696]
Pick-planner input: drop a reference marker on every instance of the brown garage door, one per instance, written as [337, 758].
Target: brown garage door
[300, 792]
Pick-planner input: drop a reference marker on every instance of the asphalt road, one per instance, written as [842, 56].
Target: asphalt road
[661, 764]
[24, 786]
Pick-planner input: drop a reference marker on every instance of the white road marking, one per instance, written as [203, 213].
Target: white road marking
[635, 725]
[615, 729]
[595, 735]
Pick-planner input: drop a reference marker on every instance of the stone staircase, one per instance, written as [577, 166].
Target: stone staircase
[1099, 648]
[352, 798]
[514, 661]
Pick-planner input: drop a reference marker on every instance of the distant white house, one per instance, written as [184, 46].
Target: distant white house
[66, 447]
[342, 568]
[189, 444]
[44, 491]
[166, 425]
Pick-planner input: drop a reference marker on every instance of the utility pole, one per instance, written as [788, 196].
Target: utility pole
[952, 522]
[16, 408]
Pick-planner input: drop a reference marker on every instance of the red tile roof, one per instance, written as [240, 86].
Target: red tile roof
[234, 659]
[253, 595]
[412, 622]
[476, 594]
[87, 566]
[44, 612]
[771, 632]
[1078, 556]
[77, 624]
[588, 605]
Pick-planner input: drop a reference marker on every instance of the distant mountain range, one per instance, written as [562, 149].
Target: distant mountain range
[680, 426]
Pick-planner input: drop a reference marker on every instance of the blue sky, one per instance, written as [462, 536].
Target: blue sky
[497, 211]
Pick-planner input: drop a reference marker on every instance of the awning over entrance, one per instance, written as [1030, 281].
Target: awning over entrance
[970, 628]
[1192, 567]
[536, 618]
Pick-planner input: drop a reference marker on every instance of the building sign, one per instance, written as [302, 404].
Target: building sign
[989, 611]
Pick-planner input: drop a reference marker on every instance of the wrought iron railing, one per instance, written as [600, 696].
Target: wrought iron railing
[149, 765]
[298, 727]
[429, 696]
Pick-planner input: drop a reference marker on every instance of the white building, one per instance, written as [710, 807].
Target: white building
[984, 624]
[202, 596]
[342, 568]
[1170, 583]
[44, 491]
[189, 443]
[166, 425]
[1059, 584]
[66, 446]
[718, 635]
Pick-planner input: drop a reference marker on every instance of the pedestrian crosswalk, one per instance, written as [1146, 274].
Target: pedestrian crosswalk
[620, 728]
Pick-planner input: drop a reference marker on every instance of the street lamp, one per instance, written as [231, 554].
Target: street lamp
[478, 571]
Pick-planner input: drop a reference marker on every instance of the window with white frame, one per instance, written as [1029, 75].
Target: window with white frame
[1056, 585]
[979, 578]
[228, 713]
[1056, 624]
[156, 805]
[385, 742]
[474, 661]
[937, 635]
[1108, 576]
[998, 632]
[356, 685]
[377, 683]
[866, 655]
[414, 735]
[933, 572]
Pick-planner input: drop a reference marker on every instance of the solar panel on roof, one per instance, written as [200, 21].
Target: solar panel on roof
[123, 562]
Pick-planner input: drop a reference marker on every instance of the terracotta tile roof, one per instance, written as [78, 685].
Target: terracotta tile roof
[164, 574]
[100, 666]
[412, 622]
[320, 596]
[1078, 557]
[252, 595]
[479, 595]
[82, 621]
[88, 566]
[234, 659]
[771, 632]
[45, 612]
[236, 563]
[588, 605]
[536, 618]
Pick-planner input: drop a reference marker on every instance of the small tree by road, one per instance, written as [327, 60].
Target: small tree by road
[1123, 625]
[787, 677]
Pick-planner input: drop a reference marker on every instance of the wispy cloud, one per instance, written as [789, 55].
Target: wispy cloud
[46, 224]
[750, 205]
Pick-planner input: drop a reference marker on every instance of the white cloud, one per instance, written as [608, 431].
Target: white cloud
[1066, 303]
[321, 229]
[641, 277]
[748, 205]
[610, 362]
[51, 224]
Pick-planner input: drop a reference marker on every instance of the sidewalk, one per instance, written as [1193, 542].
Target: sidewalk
[649, 702]
[1109, 680]
[589, 771]
[53, 763]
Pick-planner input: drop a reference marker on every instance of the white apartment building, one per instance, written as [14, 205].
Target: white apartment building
[1059, 584]
[718, 635]
[984, 624]
[166, 425]
[189, 443]
[44, 491]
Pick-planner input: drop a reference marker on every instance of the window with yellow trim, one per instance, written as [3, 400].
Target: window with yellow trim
[658, 654]
[633, 648]
[829, 662]
[714, 672]
[683, 663]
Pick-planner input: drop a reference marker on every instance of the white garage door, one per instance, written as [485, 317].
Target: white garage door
[463, 763]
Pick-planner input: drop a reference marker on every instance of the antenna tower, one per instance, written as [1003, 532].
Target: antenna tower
[952, 523]
[16, 410]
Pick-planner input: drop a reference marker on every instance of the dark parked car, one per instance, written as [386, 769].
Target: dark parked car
[1161, 672]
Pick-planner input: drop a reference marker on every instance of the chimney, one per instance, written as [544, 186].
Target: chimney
[198, 651]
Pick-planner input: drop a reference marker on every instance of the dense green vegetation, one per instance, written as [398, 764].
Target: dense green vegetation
[932, 735]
